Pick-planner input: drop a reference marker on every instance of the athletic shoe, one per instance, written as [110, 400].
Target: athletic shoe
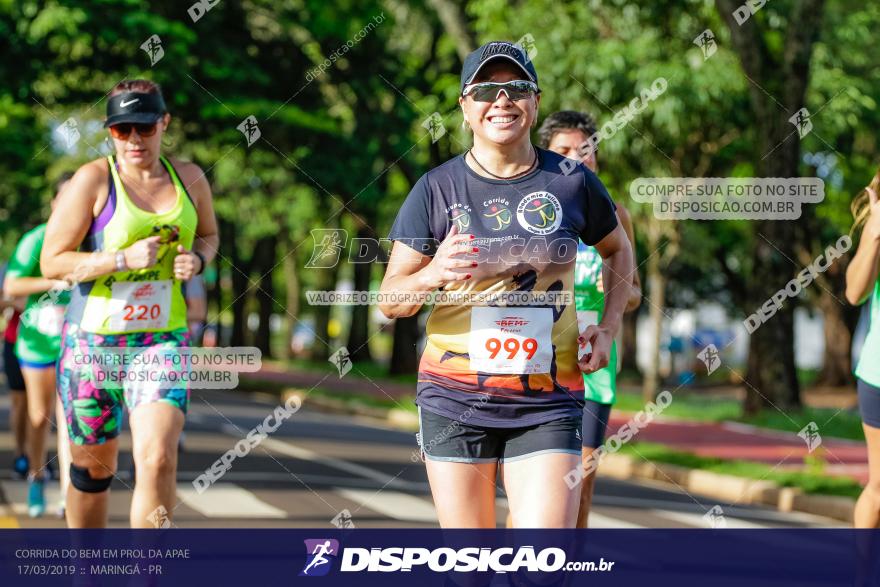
[20, 466]
[62, 508]
[36, 497]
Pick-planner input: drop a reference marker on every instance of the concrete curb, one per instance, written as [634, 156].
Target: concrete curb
[737, 490]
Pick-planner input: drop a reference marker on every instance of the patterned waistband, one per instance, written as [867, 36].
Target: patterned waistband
[71, 333]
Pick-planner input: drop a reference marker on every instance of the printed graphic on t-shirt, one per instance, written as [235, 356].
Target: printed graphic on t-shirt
[460, 215]
[497, 213]
[539, 213]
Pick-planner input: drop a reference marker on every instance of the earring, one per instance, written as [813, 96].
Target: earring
[465, 125]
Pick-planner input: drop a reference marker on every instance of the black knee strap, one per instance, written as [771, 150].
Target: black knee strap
[82, 480]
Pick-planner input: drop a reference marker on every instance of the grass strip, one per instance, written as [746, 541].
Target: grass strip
[812, 480]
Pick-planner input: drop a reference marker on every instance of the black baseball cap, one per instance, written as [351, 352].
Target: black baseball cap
[496, 50]
[135, 107]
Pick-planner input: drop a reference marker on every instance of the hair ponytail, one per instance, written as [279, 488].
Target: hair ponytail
[861, 204]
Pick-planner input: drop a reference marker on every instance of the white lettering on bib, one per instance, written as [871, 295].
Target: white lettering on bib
[140, 305]
[511, 341]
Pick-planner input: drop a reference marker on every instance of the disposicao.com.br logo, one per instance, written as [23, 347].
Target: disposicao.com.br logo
[469, 559]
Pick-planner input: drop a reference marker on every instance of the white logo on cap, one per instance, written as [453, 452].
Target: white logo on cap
[501, 49]
[123, 104]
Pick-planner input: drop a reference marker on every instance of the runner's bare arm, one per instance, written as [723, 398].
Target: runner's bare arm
[11, 303]
[25, 286]
[68, 225]
[8, 301]
[635, 296]
[617, 266]
[410, 273]
[207, 234]
[861, 273]
[402, 275]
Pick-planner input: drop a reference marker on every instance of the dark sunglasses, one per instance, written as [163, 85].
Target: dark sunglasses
[489, 91]
[123, 130]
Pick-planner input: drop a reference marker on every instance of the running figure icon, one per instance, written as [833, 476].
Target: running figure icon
[318, 554]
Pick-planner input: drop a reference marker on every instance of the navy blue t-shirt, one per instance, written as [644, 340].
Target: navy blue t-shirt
[506, 366]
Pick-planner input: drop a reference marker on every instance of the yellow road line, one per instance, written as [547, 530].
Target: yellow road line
[9, 522]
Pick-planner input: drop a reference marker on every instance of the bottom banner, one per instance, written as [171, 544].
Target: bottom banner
[208, 558]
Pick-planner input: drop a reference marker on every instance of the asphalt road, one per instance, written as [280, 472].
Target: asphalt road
[320, 469]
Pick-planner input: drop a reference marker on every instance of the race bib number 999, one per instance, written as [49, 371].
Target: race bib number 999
[140, 305]
[511, 341]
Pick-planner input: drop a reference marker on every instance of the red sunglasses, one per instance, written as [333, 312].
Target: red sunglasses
[123, 130]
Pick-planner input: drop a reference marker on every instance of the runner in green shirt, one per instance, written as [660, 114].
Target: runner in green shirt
[37, 348]
[18, 420]
[566, 132]
[39, 334]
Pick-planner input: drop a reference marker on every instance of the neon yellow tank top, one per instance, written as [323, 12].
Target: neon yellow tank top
[140, 300]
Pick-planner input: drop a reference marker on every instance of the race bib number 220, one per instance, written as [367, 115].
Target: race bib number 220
[140, 305]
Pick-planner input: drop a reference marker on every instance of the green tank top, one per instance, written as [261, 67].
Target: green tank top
[142, 300]
[590, 302]
[868, 369]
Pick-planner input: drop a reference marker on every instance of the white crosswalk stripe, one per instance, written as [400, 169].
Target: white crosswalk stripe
[697, 521]
[297, 452]
[598, 521]
[393, 504]
[228, 501]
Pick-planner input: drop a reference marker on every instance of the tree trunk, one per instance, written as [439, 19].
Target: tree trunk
[404, 352]
[840, 320]
[326, 279]
[778, 76]
[264, 260]
[321, 350]
[771, 378]
[456, 25]
[240, 270]
[291, 285]
[657, 295]
[359, 333]
[838, 344]
[214, 299]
